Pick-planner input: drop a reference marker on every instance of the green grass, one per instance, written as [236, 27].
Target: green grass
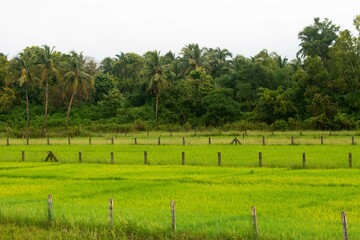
[212, 202]
[288, 156]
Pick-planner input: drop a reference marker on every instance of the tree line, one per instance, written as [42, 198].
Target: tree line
[42, 88]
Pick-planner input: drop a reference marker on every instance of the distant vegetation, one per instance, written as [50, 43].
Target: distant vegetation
[45, 92]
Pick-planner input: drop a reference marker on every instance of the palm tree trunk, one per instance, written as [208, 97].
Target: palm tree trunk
[27, 113]
[68, 111]
[46, 107]
[157, 106]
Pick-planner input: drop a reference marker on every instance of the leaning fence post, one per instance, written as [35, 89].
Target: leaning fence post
[50, 214]
[23, 156]
[219, 159]
[344, 226]
[255, 224]
[173, 215]
[304, 159]
[350, 160]
[111, 211]
[260, 159]
[183, 158]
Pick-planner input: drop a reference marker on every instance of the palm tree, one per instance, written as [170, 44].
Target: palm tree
[195, 57]
[23, 70]
[157, 71]
[46, 63]
[76, 80]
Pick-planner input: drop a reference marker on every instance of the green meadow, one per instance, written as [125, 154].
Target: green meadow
[212, 202]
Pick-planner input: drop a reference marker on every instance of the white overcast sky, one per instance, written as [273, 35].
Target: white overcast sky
[102, 28]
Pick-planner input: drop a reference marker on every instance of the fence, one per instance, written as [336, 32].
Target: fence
[257, 223]
[183, 160]
[190, 140]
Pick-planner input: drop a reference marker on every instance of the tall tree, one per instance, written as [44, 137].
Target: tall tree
[46, 62]
[195, 57]
[317, 39]
[156, 71]
[76, 80]
[23, 71]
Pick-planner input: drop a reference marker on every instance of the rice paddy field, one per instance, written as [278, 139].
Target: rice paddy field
[293, 201]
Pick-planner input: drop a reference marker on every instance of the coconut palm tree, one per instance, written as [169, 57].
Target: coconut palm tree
[46, 62]
[157, 72]
[76, 80]
[195, 57]
[23, 71]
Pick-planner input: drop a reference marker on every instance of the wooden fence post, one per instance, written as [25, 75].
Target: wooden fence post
[344, 226]
[7, 142]
[111, 211]
[173, 215]
[23, 156]
[263, 140]
[183, 139]
[219, 159]
[159, 141]
[89, 141]
[135, 141]
[353, 140]
[80, 157]
[255, 224]
[322, 140]
[350, 160]
[304, 159]
[69, 141]
[292, 140]
[260, 159]
[209, 140]
[50, 213]
[112, 140]
[48, 141]
[112, 157]
[145, 157]
[183, 158]
[27, 141]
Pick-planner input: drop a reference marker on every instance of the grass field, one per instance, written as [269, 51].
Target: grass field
[212, 202]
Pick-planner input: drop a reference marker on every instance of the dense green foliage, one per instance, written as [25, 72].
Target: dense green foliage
[200, 87]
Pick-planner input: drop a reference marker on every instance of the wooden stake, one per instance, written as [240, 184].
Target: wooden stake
[80, 157]
[135, 141]
[23, 156]
[50, 213]
[260, 159]
[353, 140]
[322, 140]
[304, 159]
[350, 160]
[27, 141]
[112, 157]
[209, 141]
[173, 215]
[7, 142]
[219, 159]
[183, 141]
[292, 140]
[183, 158]
[89, 141]
[263, 140]
[344, 226]
[255, 224]
[159, 141]
[112, 140]
[69, 141]
[111, 211]
[145, 157]
[48, 141]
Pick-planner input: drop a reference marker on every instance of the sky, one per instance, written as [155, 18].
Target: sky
[104, 28]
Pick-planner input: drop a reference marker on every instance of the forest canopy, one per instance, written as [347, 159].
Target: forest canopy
[71, 94]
